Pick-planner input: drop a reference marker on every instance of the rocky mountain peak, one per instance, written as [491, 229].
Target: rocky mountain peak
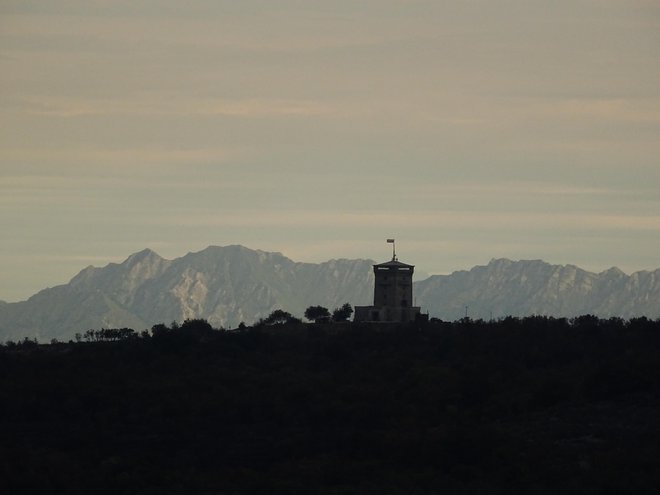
[146, 255]
[614, 272]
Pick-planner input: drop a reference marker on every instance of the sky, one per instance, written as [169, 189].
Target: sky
[467, 130]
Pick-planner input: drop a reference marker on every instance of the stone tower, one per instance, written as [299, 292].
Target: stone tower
[393, 294]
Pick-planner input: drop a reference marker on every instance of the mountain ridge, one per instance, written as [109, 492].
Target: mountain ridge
[225, 285]
[231, 284]
[504, 287]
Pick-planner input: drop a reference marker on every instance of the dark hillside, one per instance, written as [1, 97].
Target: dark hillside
[535, 405]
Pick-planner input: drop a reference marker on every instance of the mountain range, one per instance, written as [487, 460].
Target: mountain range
[233, 284]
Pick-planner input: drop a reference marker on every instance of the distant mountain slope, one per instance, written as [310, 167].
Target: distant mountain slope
[519, 288]
[227, 285]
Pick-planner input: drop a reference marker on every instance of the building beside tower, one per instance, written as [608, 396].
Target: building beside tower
[393, 293]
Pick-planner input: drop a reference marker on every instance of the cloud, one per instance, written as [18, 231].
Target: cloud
[156, 104]
[507, 188]
[85, 160]
[416, 220]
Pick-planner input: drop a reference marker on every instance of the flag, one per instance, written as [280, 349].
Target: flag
[391, 241]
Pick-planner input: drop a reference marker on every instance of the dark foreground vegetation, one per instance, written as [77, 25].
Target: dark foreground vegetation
[534, 405]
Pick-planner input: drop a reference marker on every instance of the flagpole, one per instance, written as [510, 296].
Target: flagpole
[391, 241]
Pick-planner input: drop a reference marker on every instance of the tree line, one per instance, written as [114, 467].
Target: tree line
[197, 326]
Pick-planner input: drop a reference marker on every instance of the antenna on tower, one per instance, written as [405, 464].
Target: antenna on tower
[391, 241]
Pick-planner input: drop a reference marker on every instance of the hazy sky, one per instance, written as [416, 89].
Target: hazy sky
[466, 129]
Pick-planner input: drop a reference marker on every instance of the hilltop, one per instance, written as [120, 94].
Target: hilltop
[535, 405]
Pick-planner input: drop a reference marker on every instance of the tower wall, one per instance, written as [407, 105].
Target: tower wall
[393, 285]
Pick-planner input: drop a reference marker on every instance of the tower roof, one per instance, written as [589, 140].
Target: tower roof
[393, 264]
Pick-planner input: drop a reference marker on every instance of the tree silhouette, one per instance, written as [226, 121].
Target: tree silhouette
[343, 313]
[315, 313]
[279, 317]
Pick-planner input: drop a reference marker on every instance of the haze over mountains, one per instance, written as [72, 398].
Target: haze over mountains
[227, 285]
